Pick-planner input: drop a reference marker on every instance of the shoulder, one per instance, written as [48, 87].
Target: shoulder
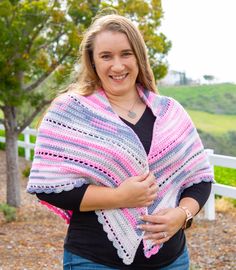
[170, 109]
[67, 98]
[64, 106]
[172, 103]
[156, 98]
[165, 104]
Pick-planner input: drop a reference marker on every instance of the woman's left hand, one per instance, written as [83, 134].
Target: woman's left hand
[160, 227]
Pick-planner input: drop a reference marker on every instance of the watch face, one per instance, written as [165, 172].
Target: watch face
[188, 223]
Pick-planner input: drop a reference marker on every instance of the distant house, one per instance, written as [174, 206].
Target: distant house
[174, 77]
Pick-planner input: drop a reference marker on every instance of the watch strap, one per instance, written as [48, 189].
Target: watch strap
[189, 217]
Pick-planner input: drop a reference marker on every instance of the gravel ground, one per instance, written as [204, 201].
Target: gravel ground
[35, 240]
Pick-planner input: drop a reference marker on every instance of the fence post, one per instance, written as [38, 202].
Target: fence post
[27, 141]
[209, 208]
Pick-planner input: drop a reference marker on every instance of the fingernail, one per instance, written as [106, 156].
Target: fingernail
[139, 226]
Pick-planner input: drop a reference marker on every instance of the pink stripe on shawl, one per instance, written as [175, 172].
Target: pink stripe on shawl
[153, 251]
[97, 101]
[130, 217]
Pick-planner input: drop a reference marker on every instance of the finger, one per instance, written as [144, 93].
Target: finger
[151, 179]
[154, 189]
[150, 200]
[162, 212]
[150, 218]
[160, 241]
[142, 177]
[155, 236]
[163, 216]
[148, 203]
[152, 228]
[153, 196]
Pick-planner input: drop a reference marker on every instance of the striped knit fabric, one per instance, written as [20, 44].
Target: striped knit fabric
[82, 140]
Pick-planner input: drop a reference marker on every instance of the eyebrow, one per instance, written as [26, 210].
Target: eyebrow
[107, 52]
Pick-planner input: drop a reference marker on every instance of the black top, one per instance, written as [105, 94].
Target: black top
[85, 236]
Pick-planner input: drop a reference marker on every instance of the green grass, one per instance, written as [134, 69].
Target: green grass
[217, 98]
[213, 123]
[225, 176]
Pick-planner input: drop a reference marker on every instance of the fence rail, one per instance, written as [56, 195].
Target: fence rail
[219, 189]
[215, 160]
[26, 144]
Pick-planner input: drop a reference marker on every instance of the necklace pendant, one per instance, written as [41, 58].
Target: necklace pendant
[131, 114]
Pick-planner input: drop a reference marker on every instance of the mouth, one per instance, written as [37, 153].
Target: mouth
[118, 77]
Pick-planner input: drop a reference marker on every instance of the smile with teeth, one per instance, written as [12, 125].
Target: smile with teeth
[118, 78]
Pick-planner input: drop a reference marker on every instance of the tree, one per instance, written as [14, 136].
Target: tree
[39, 41]
[209, 78]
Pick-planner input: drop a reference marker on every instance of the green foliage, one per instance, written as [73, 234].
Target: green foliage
[224, 144]
[209, 77]
[225, 176]
[9, 212]
[35, 39]
[216, 99]
[2, 145]
[26, 172]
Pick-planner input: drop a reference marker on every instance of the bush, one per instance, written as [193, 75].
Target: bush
[8, 211]
[26, 172]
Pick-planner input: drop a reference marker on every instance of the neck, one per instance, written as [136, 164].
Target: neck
[125, 99]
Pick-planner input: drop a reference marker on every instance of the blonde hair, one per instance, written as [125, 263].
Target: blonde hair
[87, 79]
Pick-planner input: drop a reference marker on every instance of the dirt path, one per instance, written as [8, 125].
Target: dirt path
[35, 240]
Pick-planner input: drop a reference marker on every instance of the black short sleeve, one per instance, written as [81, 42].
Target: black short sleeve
[68, 200]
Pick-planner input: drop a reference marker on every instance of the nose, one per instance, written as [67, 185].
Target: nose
[117, 65]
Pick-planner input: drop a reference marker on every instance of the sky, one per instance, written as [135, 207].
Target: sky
[203, 36]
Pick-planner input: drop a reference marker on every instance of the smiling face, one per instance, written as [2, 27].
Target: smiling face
[115, 63]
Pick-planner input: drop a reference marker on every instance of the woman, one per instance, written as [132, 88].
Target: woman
[124, 166]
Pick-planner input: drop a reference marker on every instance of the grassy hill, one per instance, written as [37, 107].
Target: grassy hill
[213, 123]
[216, 99]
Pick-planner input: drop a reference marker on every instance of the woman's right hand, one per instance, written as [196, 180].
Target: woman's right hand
[137, 191]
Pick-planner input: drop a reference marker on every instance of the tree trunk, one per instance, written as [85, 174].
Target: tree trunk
[12, 166]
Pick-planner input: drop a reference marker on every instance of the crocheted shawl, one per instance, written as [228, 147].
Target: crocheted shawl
[82, 140]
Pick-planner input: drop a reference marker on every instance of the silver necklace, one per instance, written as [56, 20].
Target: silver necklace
[130, 113]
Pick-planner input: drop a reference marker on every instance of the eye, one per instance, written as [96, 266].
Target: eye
[106, 56]
[127, 54]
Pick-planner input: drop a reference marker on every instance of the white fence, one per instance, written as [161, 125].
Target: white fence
[26, 144]
[215, 160]
[223, 190]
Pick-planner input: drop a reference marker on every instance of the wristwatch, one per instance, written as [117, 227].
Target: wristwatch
[189, 217]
